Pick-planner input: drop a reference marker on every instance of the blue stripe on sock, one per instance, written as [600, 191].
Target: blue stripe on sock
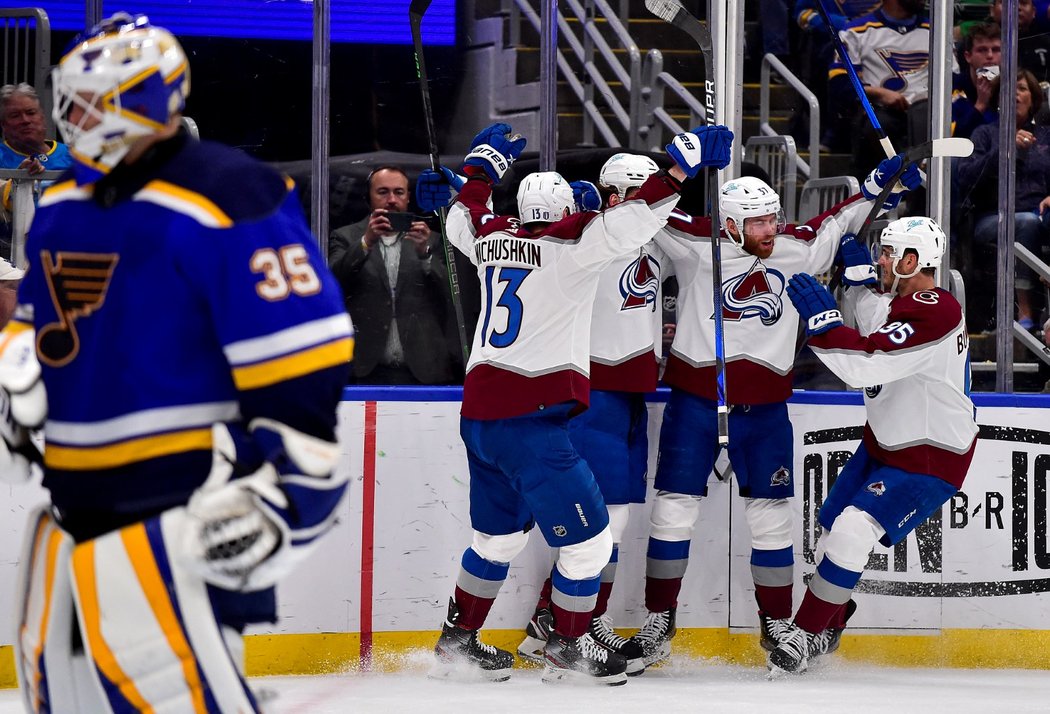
[837, 576]
[484, 569]
[615, 557]
[773, 558]
[575, 588]
[668, 549]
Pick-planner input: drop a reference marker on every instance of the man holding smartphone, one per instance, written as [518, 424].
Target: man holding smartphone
[395, 289]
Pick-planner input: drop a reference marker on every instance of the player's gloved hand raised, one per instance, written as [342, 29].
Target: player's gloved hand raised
[703, 146]
[856, 261]
[910, 179]
[436, 189]
[814, 303]
[492, 152]
[586, 196]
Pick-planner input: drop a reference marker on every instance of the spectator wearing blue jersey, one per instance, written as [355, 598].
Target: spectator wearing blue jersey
[396, 289]
[25, 145]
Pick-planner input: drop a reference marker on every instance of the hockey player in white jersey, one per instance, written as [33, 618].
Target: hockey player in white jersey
[758, 254]
[611, 436]
[528, 373]
[183, 346]
[910, 354]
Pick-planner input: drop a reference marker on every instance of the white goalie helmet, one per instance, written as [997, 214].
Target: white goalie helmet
[121, 80]
[543, 197]
[626, 171]
[748, 197]
[917, 233]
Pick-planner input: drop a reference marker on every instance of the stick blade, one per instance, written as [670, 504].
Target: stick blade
[666, 10]
[418, 7]
[952, 146]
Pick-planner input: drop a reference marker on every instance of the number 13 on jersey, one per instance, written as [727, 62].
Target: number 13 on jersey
[507, 310]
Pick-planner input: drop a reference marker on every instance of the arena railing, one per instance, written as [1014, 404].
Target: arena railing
[810, 169]
[25, 52]
[23, 206]
[586, 51]
[660, 122]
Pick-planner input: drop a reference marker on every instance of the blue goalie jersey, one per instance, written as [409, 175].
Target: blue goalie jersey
[179, 291]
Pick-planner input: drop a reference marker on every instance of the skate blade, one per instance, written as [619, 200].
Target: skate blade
[554, 675]
[635, 667]
[776, 672]
[531, 649]
[661, 655]
[461, 673]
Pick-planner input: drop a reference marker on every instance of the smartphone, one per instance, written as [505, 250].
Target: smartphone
[401, 222]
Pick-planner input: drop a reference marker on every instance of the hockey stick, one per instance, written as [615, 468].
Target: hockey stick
[884, 140]
[416, 10]
[672, 11]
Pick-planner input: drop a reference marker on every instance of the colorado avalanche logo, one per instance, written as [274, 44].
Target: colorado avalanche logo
[780, 477]
[873, 392]
[878, 488]
[639, 283]
[757, 293]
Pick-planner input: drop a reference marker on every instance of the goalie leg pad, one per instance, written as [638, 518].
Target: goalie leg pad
[53, 677]
[161, 648]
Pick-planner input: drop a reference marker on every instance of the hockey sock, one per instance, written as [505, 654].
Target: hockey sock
[608, 576]
[572, 603]
[774, 575]
[477, 586]
[665, 566]
[835, 586]
[545, 595]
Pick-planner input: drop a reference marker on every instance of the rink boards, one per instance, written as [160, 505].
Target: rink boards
[967, 589]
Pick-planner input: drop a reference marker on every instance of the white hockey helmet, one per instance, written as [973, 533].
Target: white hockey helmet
[748, 197]
[917, 233]
[128, 78]
[543, 197]
[626, 171]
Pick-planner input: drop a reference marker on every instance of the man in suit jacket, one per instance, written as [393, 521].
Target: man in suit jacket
[396, 290]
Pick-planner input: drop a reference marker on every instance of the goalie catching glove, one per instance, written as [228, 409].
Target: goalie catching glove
[23, 402]
[270, 494]
[814, 303]
[492, 152]
[701, 147]
[909, 180]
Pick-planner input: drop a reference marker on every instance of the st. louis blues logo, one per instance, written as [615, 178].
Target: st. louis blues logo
[640, 283]
[756, 293]
[903, 65]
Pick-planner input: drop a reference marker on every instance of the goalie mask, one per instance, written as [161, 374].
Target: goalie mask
[122, 80]
[916, 233]
[626, 171]
[748, 197]
[544, 197]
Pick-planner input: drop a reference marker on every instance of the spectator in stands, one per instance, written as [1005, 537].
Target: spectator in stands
[972, 100]
[1033, 37]
[890, 50]
[818, 53]
[979, 179]
[25, 144]
[396, 289]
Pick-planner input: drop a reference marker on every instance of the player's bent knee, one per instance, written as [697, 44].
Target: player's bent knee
[770, 522]
[851, 538]
[673, 516]
[618, 515]
[585, 560]
[501, 548]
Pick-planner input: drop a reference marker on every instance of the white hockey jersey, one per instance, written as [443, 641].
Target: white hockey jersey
[911, 356]
[532, 346]
[888, 53]
[760, 323]
[627, 322]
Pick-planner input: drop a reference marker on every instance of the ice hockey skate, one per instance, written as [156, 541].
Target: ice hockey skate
[791, 656]
[772, 631]
[603, 633]
[655, 636]
[462, 656]
[536, 634]
[827, 641]
[581, 660]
